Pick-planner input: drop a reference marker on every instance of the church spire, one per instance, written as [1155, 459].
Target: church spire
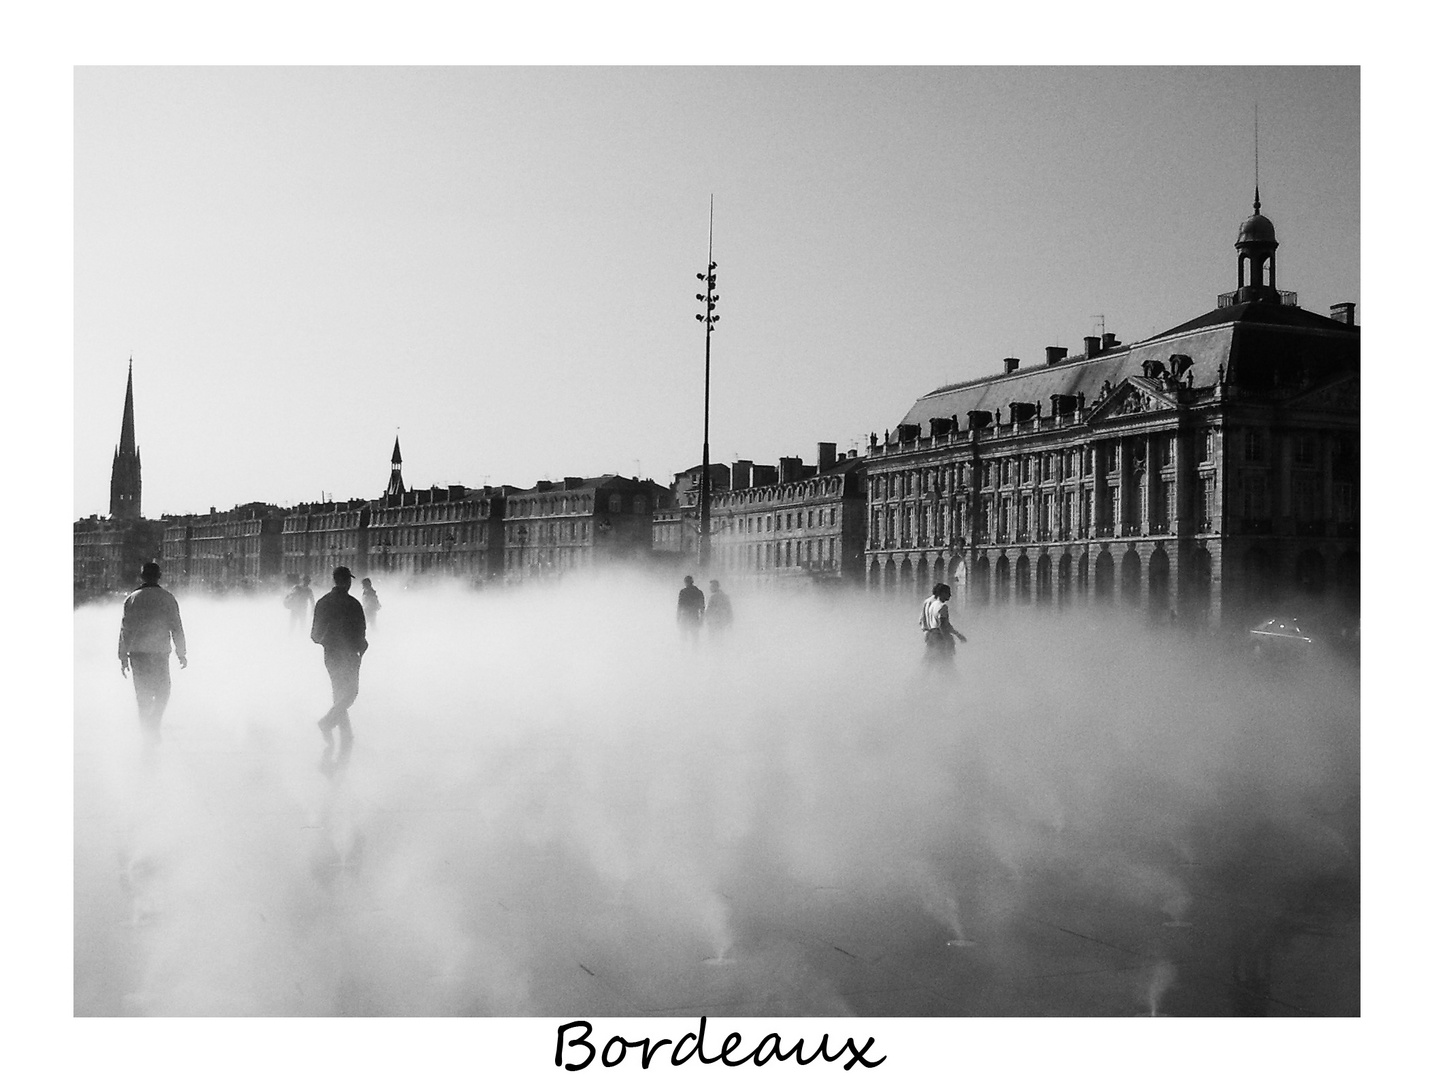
[124, 473]
[395, 472]
[126, 445]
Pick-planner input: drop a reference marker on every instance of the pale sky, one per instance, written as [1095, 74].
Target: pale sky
[499, 264]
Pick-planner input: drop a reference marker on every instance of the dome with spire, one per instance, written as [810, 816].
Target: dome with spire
[1257, 228]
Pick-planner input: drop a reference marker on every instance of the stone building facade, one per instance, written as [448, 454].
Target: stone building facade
[676, 528]
[792, 522]
[578, 523]
[1206, 473]
[108, 553]
[316, 537]
[224, 549]
[452, 530]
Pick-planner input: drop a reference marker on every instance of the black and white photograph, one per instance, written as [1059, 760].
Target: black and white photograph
[718, 564]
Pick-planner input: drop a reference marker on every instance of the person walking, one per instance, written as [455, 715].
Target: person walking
[298, 600]
[690, 606]
[339, 626]
[150, 621]
[941, 636]
[719, 610]
[370, 602]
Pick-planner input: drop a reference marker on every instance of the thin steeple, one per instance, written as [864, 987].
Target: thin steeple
[126, 444]
[124, 472]
[395, 472]
[1257, 157]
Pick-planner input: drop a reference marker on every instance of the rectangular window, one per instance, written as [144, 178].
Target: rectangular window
[1254, 503]
[1343, 501]
[1254, 445]
[1306, 450]
[1303, 493]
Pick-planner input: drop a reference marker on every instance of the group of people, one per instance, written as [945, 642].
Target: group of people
[695, 610]
[150, 627]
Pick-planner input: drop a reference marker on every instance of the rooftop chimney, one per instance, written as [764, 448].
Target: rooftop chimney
[1055, 354]
[1108, 341]
[826, 456]
[762, 475]
[1092, 345]
[1342, 313]
[789, 469]
[1012, 363]
[741, 475]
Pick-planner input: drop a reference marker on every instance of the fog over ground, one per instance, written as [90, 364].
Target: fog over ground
[553, 807]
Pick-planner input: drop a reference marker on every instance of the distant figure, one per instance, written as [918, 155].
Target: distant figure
[339, 627]
[150, 621]
[370, 602]
[298, 600]
[941, 636]
[690, 606]
[719, 610]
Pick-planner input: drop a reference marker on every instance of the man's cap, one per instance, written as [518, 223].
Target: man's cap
[149, 570]
[343, 572]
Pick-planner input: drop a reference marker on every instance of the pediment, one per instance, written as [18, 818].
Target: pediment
[1341, 395]
[1134, 396]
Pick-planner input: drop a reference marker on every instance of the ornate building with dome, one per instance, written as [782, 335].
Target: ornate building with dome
[1206, 474]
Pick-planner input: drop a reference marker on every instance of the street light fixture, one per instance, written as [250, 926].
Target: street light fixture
[709, 301]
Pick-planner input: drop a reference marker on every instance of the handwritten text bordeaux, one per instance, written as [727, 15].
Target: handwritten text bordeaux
[694, 1044]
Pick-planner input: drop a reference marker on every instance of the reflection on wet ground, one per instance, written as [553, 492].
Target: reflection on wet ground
[1089, 931]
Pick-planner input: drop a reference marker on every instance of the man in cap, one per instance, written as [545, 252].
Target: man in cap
[340, 628]
[149, 622]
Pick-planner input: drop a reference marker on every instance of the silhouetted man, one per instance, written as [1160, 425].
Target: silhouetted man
[941, 636]
[370, 602]
[150, 621]
[718, 615]
[690, 606]
[339, 626]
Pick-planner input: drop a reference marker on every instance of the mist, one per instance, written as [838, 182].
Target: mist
[554, 806]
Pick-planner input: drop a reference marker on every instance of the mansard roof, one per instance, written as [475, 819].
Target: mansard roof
[1258, 346]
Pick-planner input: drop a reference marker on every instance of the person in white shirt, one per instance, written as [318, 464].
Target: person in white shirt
[150, 621]
[941, 636]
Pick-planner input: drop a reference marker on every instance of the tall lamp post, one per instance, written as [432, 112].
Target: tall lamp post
[709, 301]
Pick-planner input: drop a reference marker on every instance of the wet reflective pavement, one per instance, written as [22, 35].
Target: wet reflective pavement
[169, 921]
